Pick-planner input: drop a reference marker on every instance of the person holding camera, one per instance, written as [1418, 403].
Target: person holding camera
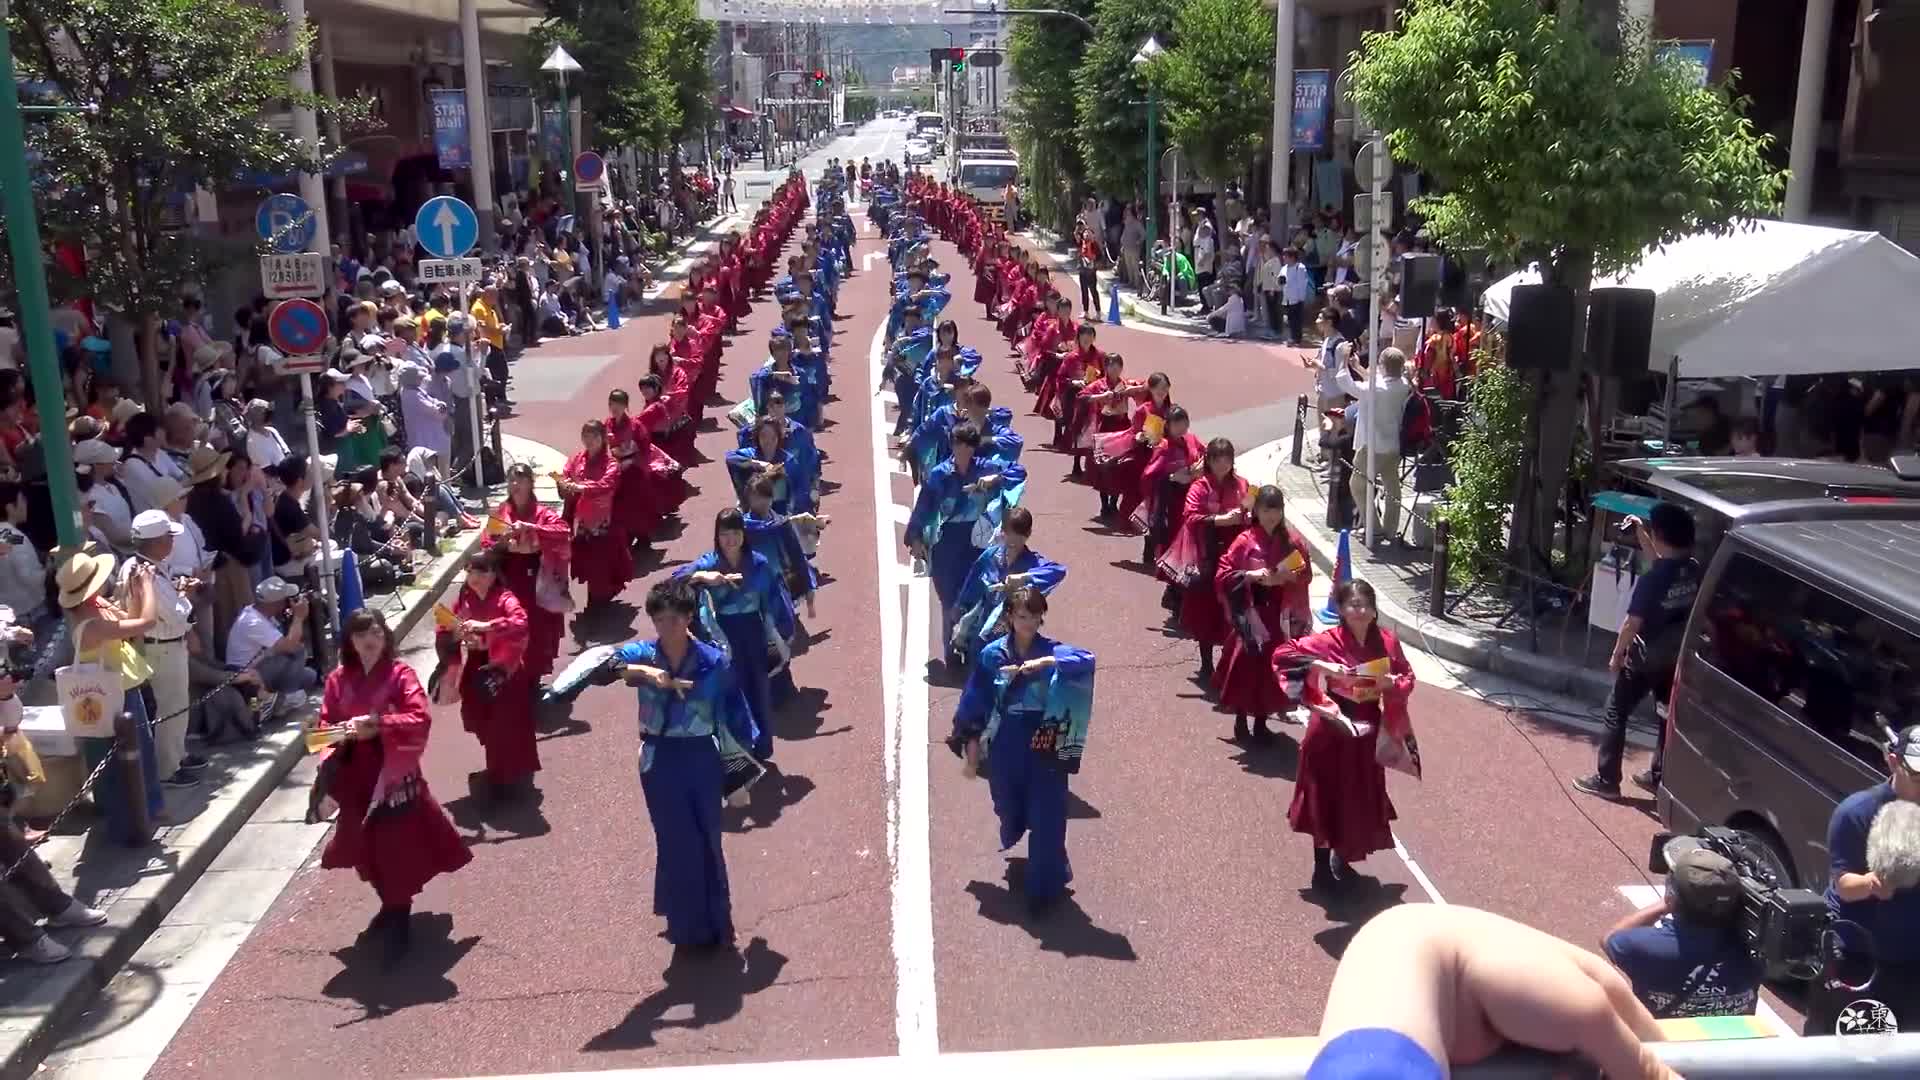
[1687, 954]
[1876, 908]
[1648, 645]
[257, 643]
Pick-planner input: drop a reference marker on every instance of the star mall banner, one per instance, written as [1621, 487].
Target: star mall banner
[450, 129]
[1310, 108]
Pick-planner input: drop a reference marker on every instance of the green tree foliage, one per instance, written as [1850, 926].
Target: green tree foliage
[1486, 464]
[1043, 53]
[1110, 90]
[643, 80]
[1541, 141]
[1548, 143]
[181, 89]
[1218, 84]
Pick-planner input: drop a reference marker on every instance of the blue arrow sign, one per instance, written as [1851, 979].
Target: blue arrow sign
[285, 223]
[446, 227]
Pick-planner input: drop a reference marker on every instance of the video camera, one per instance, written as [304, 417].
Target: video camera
[1786, 928]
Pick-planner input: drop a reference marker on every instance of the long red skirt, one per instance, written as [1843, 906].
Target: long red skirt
[502, 721]
[1243, 680]
[544, 628]
[1340, 792]
[1121, 476]
[636, 506]
[1201, 614]
[985, 286]
[602, 562]
[396, 854]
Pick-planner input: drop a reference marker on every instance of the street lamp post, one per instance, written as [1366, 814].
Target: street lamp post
[1147, 54]
[560, 62]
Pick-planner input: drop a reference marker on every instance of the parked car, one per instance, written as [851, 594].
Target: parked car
[848, 127]
[917, 152]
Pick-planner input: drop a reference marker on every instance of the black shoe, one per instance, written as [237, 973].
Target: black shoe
[1240, 732]
[194, 763]
[181, 779]
[1598, 785]
[1323, 880]
[1647, 779]
[1261, 732]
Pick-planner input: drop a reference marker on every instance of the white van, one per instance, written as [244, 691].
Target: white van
[985, 178]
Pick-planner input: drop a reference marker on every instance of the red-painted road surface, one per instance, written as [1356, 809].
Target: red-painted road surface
[1188, 922]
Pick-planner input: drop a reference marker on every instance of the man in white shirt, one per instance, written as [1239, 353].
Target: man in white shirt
[257, 644]
[1230, 318]
[1376, 433]
[110, 511]
[266, 447]
[165, 644]
[1296, 289]
[23, 577]
[1270, 276]
[146, 463]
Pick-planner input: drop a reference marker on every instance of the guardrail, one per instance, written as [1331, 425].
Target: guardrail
[1718, 1048]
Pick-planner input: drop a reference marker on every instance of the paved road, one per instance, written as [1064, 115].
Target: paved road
[874, 910]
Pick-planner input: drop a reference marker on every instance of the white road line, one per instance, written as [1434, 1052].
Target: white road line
[1419, 875]
[904, 701]
[1639, 896]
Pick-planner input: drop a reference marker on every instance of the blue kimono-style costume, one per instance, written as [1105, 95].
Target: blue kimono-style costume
[774, 538]
[907, 355]
[792, 488]
[802, 396]
[956, 524]
[1032, 731]
[933, 438]
[981, 608]
[687, 742]
[796, 438]
[753, 621]
[929, 306]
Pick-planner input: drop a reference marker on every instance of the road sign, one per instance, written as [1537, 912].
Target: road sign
[297, 327]
[1372, 153]
[286, 276]
[787, 78]
[446, 227]
[285, 223]
[589, 171]
[985, 58]
[454, 272]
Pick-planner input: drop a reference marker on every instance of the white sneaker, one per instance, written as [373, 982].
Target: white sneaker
[45, 950]
[267, 703]
[291, 701]
[78, 914]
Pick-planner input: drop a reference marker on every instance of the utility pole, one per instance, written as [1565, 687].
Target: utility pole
[30, 282]
[1279, 177]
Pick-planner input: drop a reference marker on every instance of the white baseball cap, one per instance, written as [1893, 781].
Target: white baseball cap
[154, 524]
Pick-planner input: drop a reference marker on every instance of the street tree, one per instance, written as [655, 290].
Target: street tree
[1111, 93]
[1043, 52]
[177, 92]
[1548, 142]
[1218, 84]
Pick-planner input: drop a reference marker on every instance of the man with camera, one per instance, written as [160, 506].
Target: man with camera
[1648, 645]
[1873, 848]
[1687, 955]
[269, 639]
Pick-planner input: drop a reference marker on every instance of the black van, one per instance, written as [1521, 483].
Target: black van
[1803, 648]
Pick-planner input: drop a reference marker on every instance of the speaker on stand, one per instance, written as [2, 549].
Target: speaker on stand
[1620, 331]
[1419, 284]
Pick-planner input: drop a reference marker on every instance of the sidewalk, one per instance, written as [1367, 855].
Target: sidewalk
[1132, 307]
[1571, 660]
[154, 922]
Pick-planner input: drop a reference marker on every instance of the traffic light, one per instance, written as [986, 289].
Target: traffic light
[959, 63]
[820, 78]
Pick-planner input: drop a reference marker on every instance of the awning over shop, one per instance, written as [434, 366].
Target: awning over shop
[1771, 299]
[737, 112]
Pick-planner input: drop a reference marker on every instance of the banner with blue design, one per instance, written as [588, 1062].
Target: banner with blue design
[1311, 105]
[450, 140]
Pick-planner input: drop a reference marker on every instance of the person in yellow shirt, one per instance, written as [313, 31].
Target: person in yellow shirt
[486, 321]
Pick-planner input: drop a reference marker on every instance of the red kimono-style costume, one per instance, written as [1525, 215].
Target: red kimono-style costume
[1162, 497]
[1340, 790]
[389, 829]
[1022, 302]
[1194, 554]
[1244, 679]
[500, 716]
[600, 556]
[1098, 418]
[1120, 458]
[1039, 342]
[526, 555]
[1057, 394]
[635, 505]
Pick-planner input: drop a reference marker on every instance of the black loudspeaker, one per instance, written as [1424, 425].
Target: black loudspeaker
[1540, 328]
[1419, 284]
[1620, 331]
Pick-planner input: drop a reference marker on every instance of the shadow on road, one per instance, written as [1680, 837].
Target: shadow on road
[558, 722]
[1063, 927]
[1276, 759]
[767, 800]
[714, 983]
[484, 819]
[1349, 909]
[608, 624]
[804, 713]
[420, 977]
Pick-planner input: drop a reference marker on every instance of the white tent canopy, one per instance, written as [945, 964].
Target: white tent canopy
[1771, 299]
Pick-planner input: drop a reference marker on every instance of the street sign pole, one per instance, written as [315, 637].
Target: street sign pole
[30, 280]
[323, 502]
[475, 398]
[1376, 153]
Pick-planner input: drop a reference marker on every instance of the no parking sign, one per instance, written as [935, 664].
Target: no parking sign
[298, 328]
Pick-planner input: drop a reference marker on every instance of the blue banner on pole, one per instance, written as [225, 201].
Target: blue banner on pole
[553, 138]
[1310, 108]
[450, 129]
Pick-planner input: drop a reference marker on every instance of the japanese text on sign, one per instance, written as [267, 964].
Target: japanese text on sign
[286, 276]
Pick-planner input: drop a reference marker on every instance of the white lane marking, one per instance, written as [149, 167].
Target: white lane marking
[900, 513]
[909, 828]
[1419, 875]
[1639, 896]
[866, 261]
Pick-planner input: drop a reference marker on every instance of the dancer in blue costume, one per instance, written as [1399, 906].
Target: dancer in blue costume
[780, 373]
[694, 722]
[791, 475]
[972, 404]
[794, 436]
[1025, 711]
[810, 360]
[752, 614]
[1006, 567]
[906, 355]
[777, 538]
[955, 514]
